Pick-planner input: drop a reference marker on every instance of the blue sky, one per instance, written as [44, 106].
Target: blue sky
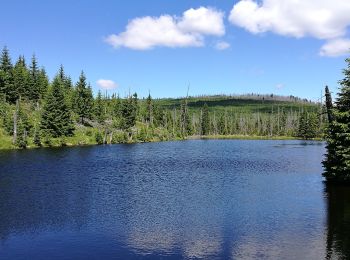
[265, 47]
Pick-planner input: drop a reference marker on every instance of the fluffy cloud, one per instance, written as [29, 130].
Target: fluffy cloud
[107, 84]
[321, 19]
[221, 45]
[335, 48]
[170, 31]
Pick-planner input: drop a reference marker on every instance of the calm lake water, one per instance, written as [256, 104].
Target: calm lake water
[214, 199]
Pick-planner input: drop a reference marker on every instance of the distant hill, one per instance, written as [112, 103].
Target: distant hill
[241, 103]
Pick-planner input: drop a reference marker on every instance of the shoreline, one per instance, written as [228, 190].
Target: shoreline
[58, 144]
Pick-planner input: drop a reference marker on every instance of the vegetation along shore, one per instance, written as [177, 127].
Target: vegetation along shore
[38, 112]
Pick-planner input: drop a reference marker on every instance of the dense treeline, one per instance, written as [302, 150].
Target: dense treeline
[337, 161]
[36, 111]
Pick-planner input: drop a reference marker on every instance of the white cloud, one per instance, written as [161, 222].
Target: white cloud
[321, 19]
[221, 45]
[335, 48]
[170, 31]
[107, 84]
[207, 21]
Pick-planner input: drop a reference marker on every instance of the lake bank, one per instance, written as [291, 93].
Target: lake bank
[86, 140]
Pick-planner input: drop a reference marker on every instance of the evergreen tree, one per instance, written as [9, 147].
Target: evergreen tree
[83, 101]
[185, 125]
[205, 123]
[43, 83]
[6, 77]
[56, 117]
[329, 105]
[99, 108]
[337, 161]
[149, 109]
[34, 88]
[129, 112]
[308, 125]
[20, 79]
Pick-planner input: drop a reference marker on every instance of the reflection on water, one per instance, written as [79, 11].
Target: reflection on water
[195, 199]
[338, 218]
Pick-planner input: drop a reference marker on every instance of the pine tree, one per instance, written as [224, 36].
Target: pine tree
[337, 161]
[205, 123]
[185, 125]
[308, 125]
[6, 76]
[129, 112]
[83, 101]
[99, 108]
[56, 117]
[149, 109]
[34, 88]
[20, 79]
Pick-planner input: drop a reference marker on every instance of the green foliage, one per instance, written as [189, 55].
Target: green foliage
[129, 109]
[56, 116]
[308, 125]
[99, 108]
[83, 101]
[337, 161]
[6, 76]
[205, 123]
[99, 138]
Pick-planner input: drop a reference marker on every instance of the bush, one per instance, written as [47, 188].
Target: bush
[99, 138]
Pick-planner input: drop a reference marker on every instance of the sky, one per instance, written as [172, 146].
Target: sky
[285, 47]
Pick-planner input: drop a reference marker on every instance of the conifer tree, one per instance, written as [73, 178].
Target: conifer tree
[337, 161]
[149, 109]
[56, 117]
[205, 123]
[6, 77]
[34, 88]
[129, 112]
[20, 79]
[185, 125]
[83, 101]
[99, 108]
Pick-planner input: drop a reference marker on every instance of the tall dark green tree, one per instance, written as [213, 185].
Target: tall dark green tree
[56, 117]
[99, 108]
[83, 101]
[149, 109]
[34, 87]
[337, 161]
[308, 125]
[129, 112]
[185, 124]
[20, 79]
[205, 122]
[6, 76]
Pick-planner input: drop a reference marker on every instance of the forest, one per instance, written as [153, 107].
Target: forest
[36, 111]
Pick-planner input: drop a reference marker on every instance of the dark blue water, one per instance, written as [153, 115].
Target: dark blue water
[179, 200]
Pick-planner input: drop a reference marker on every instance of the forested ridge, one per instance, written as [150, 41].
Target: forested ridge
[36, 111]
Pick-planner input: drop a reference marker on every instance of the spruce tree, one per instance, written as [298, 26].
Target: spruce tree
[337, 161]
[20, 79]
[99, 108]
[205, 123]
[56, 117]
[149, 109]
[83, 101]
[34, 88]
[6, 76]
[129, 112]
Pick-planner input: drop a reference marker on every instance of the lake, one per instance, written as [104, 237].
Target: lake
[200, 199]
